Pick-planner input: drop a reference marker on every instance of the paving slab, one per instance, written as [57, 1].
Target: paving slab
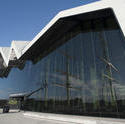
[74, 119]
[19, 118]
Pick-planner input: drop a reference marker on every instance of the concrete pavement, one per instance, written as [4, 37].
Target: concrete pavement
[74, 119]
[15, 117]
[19, 118]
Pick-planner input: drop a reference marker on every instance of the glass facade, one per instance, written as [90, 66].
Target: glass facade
[84, 76]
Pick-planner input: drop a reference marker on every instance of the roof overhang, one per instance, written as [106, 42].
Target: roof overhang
[62, 23]
[8, 59]
[7, 52]
[65, 20]
[18, 95]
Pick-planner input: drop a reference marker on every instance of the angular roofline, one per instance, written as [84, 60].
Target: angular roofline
[6, 55]
[19, 44]
[118, 7]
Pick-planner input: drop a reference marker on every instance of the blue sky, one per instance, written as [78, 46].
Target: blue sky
[23, 19]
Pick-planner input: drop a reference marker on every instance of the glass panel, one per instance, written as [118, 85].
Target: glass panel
[84, 76]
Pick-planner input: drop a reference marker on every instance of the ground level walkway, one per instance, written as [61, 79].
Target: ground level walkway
[16, 117]
[19, 118]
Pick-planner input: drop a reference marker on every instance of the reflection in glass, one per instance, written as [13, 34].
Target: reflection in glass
[84, 76]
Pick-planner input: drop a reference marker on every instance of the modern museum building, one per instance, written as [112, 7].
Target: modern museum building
[75, 65]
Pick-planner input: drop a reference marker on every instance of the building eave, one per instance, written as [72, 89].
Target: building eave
[118, 7]
[18, 52]
[61, 23]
